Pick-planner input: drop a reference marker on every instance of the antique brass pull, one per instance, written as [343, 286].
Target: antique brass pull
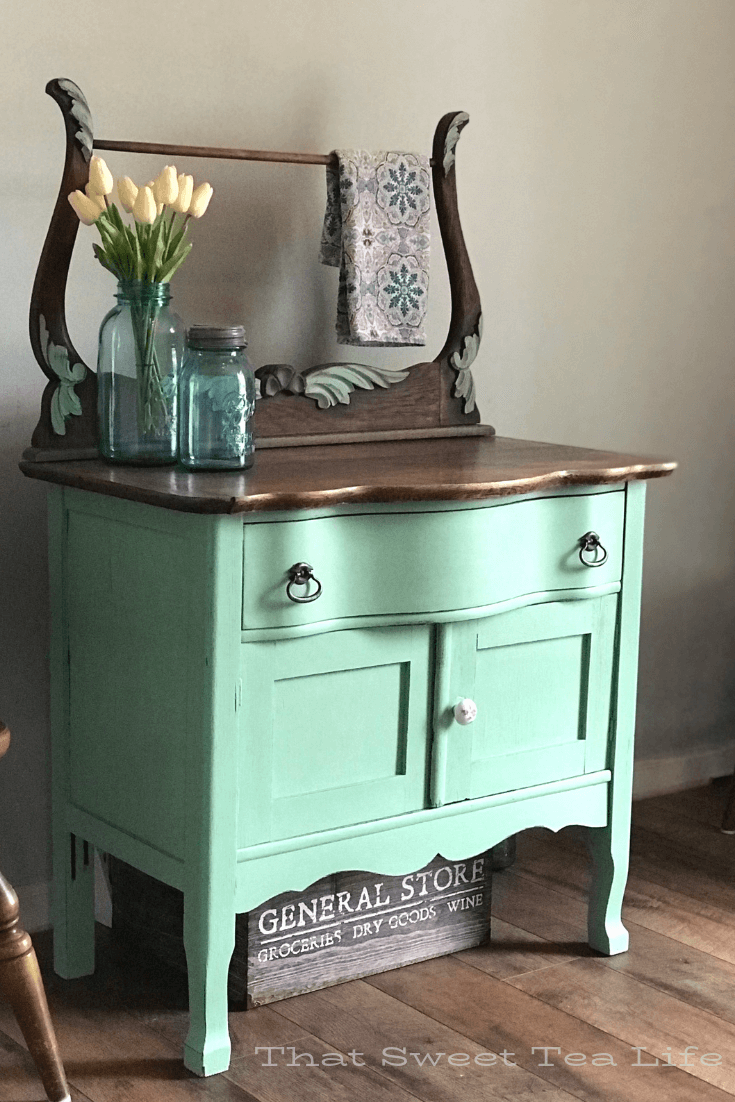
[301, 574]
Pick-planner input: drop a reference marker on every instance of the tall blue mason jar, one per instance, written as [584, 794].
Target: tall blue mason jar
[216, 400]
[141, 346]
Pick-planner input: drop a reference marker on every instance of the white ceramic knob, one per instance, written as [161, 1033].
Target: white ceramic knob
[465, 712]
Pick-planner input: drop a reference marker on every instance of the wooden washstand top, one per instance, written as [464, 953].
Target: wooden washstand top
[459, 469]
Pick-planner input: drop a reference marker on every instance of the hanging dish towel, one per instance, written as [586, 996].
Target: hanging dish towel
[376, 230]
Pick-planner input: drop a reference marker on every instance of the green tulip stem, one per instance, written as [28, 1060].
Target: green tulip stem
[152, 409]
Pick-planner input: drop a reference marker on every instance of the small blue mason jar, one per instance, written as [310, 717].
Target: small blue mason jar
[216, 400]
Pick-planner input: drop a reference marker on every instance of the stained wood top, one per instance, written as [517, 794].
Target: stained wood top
[460, 469]
[4, 738]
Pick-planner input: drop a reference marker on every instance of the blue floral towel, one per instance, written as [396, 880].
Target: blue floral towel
[376, 230]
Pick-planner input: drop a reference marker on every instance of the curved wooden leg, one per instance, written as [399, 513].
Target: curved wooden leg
[21, 983]
[608, 847]
[209, 940]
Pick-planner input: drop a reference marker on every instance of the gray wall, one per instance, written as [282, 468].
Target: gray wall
[596, 190]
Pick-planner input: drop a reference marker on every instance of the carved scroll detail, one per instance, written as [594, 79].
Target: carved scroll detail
[450, 142]
[328, 384]
[435, 395]
[462, 362]
[68, 421]
[465, 327]
[64, 401]
[333, 383]
[79, 108]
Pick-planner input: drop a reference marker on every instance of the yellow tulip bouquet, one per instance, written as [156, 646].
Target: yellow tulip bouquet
[155, 246]
[149, 251]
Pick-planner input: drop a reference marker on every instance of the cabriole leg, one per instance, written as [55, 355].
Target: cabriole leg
[610, 845]
[209, 940]
[609, 850]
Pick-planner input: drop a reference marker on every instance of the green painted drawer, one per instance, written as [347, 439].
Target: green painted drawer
[428, 561]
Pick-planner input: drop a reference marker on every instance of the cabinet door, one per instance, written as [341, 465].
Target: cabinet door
[334, 730]
[541, 678]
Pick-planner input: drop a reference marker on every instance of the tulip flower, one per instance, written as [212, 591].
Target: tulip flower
[98, 199]
[156, 246]
[144, 208]
[128, 193]
[200, 200]
[183, 199]
[100, 177]
[86, 209]
[159, 206]
[166, 185]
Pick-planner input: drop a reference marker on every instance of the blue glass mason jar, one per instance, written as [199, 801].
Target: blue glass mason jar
[141, 347]
[216, 400]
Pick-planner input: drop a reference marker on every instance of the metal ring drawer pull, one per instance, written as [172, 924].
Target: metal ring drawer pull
[301, 574]
[591, 545]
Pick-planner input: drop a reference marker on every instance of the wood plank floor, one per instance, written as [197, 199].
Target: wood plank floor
[613, 1029]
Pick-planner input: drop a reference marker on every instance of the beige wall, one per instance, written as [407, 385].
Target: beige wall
[597, 193]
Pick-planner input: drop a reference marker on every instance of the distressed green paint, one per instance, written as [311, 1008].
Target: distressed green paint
[73, 887]
[541, 679]
[380, 508]
[402, 844]
[344, 623]
[609, 845]
[211, 786]
[236, 767]
[388, 564]
[147, 618]
[126, 605]
[334, 728]
[127, 847]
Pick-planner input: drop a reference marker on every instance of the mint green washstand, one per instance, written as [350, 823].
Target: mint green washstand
[458, 664]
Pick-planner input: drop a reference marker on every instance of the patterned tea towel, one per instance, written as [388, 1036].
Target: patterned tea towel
[376, 230]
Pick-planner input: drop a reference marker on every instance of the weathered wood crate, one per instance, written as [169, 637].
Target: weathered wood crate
[344, 926]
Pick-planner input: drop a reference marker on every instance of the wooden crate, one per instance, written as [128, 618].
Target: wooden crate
[344, 926]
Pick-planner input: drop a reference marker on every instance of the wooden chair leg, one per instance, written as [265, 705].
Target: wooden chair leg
[728, 819]
[21, 983]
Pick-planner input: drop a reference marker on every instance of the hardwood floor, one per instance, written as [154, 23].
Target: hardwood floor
[629, 1019]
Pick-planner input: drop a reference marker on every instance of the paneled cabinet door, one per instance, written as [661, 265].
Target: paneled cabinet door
[334, 730]
[541, 680]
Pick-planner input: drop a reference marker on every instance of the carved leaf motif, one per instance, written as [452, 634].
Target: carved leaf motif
[65, 401]
[462, 362]
[80, 111]
[450, 143]
[333, 383]
[57, 417]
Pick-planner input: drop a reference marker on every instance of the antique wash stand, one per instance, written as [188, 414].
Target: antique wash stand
[261, 679]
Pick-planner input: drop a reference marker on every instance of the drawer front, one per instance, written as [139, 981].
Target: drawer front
[427, 562]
